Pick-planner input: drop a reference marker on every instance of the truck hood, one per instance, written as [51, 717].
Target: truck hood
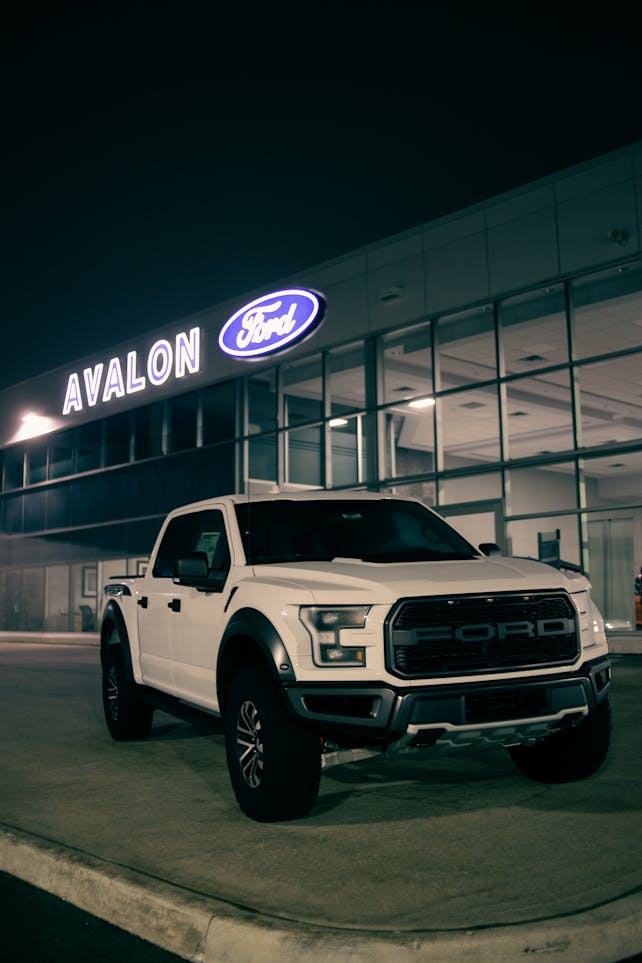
[355, 580]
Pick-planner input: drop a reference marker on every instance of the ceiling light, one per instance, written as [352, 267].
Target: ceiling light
[422, 403]
[531, 358]
[338, 422]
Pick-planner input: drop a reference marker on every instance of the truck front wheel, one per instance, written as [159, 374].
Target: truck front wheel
[571, 754]
[126, 713]
[274, 763]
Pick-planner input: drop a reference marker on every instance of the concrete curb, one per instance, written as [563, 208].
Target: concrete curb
[206, 930]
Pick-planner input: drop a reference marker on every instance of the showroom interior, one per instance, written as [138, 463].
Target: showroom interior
[488, 363]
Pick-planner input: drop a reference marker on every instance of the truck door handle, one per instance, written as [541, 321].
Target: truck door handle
[174, 605]
[143, 602]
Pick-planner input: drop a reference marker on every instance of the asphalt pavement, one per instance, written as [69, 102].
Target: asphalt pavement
[433, 856]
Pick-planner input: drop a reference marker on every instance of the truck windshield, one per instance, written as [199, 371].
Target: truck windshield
[381, 530]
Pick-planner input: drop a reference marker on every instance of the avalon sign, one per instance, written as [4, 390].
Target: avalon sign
[272, 323]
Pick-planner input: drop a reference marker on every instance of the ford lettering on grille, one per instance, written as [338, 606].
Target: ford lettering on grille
[429, 637]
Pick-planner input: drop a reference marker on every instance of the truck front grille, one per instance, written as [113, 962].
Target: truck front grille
[447, 636]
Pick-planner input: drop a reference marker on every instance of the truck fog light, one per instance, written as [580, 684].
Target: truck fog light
[336, 653]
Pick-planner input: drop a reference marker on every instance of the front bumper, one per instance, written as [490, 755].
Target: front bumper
[507, 712]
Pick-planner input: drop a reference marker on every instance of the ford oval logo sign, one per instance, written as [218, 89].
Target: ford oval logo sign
[272, 323]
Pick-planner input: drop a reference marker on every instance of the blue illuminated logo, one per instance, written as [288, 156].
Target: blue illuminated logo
[272, 323]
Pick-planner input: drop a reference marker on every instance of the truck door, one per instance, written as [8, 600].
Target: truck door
[194, 616]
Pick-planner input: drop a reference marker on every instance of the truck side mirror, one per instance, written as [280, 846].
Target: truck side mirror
[191, 568]
[490, 548]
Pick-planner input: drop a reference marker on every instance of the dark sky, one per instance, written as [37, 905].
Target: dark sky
[153, 166]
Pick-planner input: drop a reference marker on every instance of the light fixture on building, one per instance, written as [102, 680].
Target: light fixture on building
[34, 425]
[338, 422]
[394, 293]
[618, 235]
[422, 403]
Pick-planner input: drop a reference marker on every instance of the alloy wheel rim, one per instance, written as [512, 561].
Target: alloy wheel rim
[249, 744]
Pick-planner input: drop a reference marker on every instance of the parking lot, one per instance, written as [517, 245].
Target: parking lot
[439, 855]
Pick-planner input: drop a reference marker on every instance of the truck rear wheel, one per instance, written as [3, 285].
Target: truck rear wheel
[274, 763]
[571, 754]
[126, 713]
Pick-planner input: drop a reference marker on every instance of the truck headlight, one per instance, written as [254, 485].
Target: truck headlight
[325, 624]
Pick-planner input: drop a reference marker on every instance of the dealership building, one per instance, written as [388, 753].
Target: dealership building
[488, 363]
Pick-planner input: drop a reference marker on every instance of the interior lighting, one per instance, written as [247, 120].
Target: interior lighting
[422, 403]
[338, 422]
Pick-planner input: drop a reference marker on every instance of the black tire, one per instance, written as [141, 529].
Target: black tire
[571, 754]
[126, 713]
[274, 763]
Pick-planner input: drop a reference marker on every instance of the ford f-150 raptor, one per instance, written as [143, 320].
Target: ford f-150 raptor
[322, 625]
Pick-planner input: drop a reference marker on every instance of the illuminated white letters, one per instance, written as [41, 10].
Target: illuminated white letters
[182, 358]
[114, 381]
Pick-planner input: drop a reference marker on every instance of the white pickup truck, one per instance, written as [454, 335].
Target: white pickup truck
[322, 626]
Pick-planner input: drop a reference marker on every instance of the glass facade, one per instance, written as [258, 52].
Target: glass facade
[520, 419]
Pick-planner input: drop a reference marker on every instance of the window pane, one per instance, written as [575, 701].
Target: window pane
[468, 423]
[61, 454]
[89, 445]
[608, 311]
[148, 431]
[14, 460]
[423, 491]
[36, 463]
[533, 537]
[348, 452]
[611, 401]
[117, 439]
[263, 458]
[467, 348]
[409, 439]
[261, 398]
[475, 488]
[539, 415]
[304, 450]
[613, 480]
[543, 489]
[182, 422]
[534, 330]
[219, 412]
[303, 391]
[407, 364]
[347, 380]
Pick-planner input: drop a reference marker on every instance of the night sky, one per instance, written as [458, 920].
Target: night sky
[152, 167]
